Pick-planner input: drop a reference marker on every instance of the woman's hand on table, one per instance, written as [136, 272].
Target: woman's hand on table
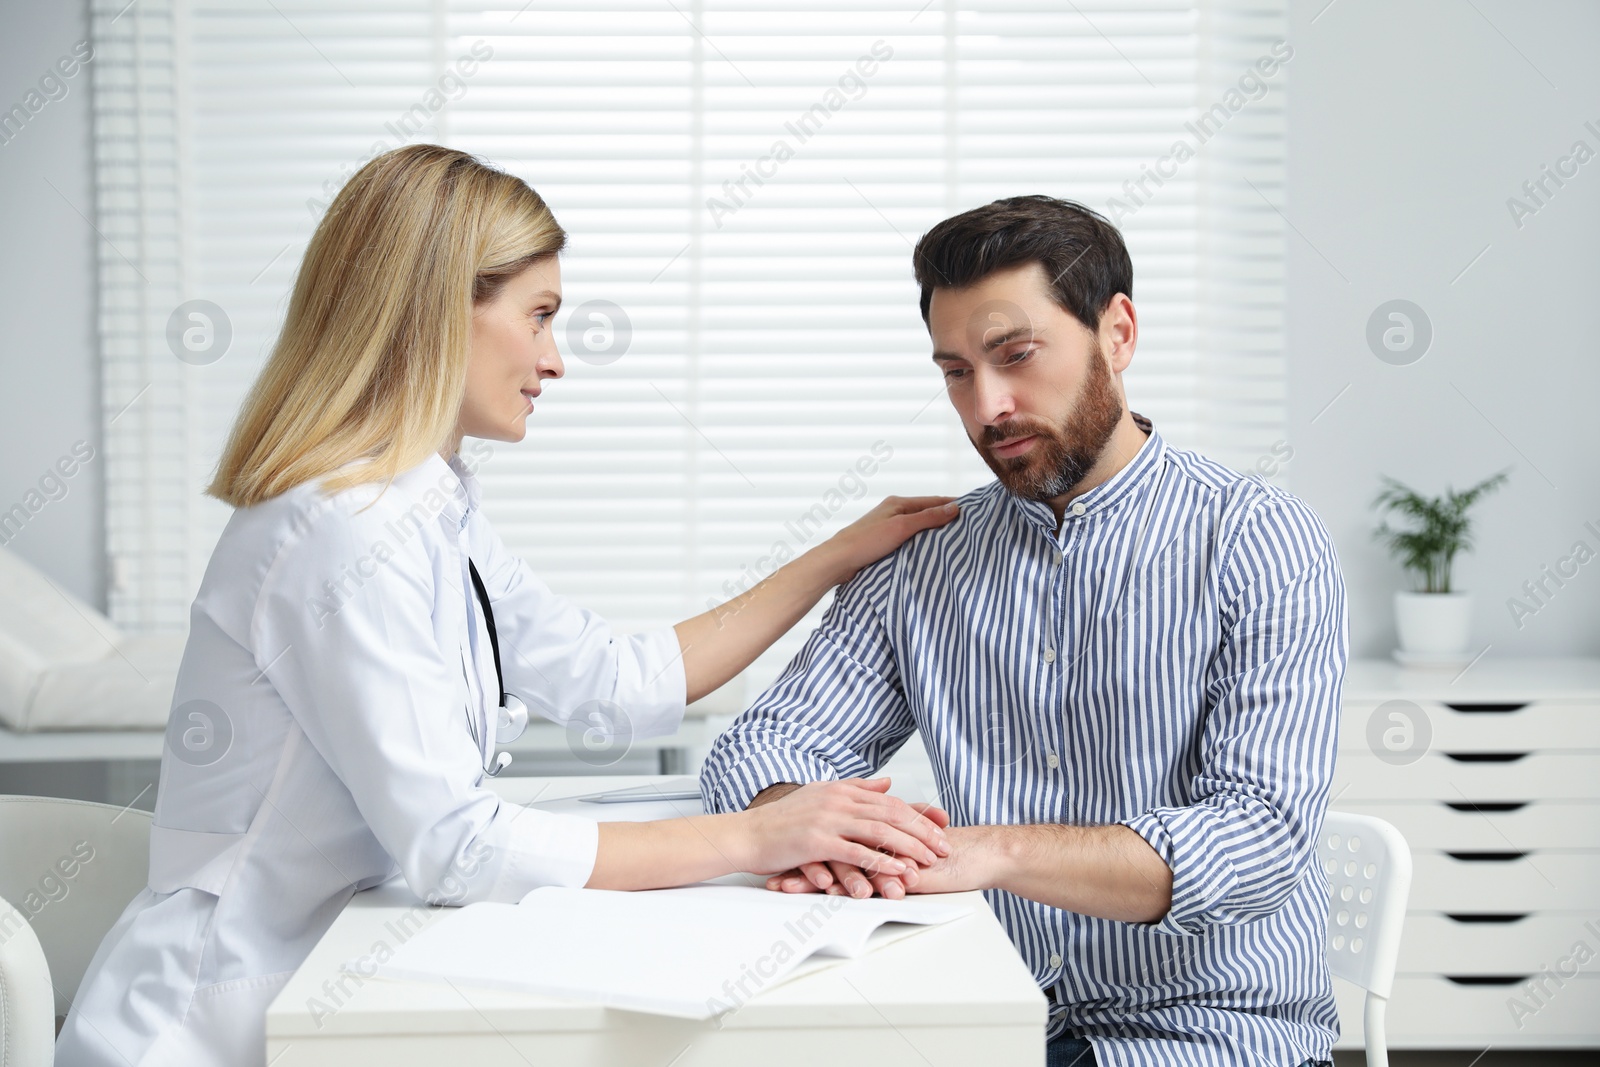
[852, 822]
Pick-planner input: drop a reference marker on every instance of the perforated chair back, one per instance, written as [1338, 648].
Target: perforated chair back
[1369, 878]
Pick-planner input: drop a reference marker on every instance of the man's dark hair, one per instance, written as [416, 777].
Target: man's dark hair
[1078, 248]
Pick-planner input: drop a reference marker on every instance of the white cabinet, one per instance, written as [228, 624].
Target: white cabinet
[1493, 776]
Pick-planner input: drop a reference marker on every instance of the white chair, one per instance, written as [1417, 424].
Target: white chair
[68, 869]
[27, 1023]
[1369, 878]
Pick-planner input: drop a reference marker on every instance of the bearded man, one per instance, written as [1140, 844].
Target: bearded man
[1124, 660]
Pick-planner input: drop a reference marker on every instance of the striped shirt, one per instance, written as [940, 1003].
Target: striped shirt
[1170, 660]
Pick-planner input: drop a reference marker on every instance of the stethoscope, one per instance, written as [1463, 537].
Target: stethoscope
[511, 717]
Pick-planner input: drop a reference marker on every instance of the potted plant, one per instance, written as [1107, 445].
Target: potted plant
[1433, 620]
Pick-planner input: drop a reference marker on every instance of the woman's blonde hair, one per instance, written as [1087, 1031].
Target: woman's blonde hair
[371, 363]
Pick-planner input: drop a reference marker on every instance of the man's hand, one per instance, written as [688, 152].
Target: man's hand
[844, 879]
[852, 822]
[973, 863]
[1109, 872]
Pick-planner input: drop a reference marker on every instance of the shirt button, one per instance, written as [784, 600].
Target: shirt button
[1049, 655]
[1055, 959]
[1061, 557]
[1053, 760]
[1078, 508]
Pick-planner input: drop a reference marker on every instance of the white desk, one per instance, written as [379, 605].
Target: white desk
[956, 994]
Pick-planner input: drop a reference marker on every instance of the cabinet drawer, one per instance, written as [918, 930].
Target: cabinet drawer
[1481, 824]
[1434, 1012]
[1533, 882]
[1546, 724]
[1434, 944]
[1438, 776]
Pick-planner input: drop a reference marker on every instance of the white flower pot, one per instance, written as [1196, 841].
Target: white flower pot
[1433, 623]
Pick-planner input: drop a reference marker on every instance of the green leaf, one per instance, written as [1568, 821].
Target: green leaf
[1437, 528]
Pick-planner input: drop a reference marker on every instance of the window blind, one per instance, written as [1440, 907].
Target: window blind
[743, 183]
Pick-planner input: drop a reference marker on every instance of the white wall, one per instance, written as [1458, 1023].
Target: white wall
[49, 383]
[1411, 124]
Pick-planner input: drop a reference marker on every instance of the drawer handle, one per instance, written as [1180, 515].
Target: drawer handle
[1488, 979]
[1494, 709]
[1486, 807]
[1499, 917]
[1486, 757]
[1486, 857]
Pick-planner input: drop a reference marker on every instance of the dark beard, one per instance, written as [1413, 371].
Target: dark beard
[1063, 454]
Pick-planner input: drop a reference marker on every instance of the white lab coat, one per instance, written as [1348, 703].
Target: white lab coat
[341, 647]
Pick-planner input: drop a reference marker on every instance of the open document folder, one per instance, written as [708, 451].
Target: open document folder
[693, 952]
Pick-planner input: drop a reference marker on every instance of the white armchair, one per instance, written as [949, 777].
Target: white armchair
[67, 871]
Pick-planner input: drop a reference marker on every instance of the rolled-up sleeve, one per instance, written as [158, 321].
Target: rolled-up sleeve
[838, 710]
[566, 663]
[377, 687]
[1268, 745]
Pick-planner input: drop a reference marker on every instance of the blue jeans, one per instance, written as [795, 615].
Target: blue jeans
[1069, 1051]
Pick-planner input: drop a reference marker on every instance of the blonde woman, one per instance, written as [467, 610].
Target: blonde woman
[341, 692]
